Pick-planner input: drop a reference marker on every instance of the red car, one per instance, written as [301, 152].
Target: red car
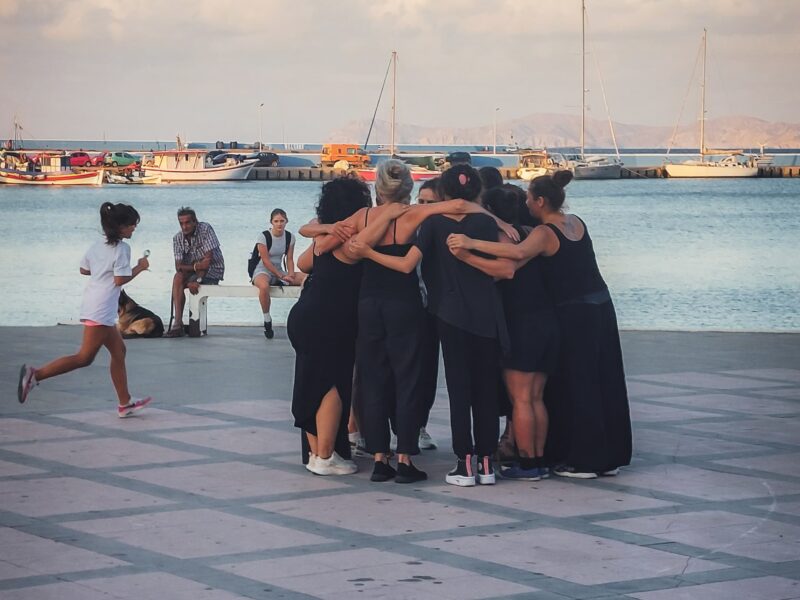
[83, 159]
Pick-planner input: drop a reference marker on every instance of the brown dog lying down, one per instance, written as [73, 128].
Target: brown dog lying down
[136, 321]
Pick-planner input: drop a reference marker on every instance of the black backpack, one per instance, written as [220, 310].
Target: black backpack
[255, 257]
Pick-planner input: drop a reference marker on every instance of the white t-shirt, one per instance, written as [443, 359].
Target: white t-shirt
[276, 252]
[101, 297]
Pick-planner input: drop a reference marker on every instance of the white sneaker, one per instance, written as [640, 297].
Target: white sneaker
[572, 472]
[425, 440]
[333, 465]
[611, 472]
[27, 381]
[312, 460]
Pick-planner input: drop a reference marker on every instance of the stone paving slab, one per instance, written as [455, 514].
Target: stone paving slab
[202, 496]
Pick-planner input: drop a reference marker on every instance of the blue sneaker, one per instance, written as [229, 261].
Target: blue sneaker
[515, 471]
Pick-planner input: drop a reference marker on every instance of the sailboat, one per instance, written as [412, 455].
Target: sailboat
[592, 167]
[729, 166]
[417, 173]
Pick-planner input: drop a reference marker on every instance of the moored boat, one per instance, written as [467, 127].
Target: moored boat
[417, 174]
[729, 166]
[596, 167]
[193, 165]
[15, 176]
[133, 179]
[47, 169]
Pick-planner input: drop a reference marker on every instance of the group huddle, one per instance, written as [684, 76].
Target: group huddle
[505, 281]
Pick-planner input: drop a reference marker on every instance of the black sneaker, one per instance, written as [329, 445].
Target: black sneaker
[485, 470]
[409, 474]
[462, 475]
[382, 471]
[268, 332]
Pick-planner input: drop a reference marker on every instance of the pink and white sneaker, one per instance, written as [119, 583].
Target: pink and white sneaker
[132, 407]
[27, 380]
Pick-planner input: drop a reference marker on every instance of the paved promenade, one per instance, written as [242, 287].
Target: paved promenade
[203, 497]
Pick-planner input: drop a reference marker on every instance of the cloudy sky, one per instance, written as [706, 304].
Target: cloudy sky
[146, 70]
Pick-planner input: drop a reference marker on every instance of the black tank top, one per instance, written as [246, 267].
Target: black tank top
[380, 282]
[332, 289]
[526, 292]
[572, 274]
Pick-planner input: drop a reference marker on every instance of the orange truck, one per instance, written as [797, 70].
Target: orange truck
[352, 153]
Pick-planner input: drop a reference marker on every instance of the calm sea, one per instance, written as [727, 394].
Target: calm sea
[677, 254]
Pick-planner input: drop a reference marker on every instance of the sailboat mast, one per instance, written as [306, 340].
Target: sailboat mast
[583, 76]
[703, 99]
[394, 97]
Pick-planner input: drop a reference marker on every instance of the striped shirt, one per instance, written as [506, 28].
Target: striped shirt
[189, 250]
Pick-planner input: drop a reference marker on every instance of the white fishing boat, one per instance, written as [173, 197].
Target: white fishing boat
[51, 170]
[731, 165]
[593, 167]
[194, 165]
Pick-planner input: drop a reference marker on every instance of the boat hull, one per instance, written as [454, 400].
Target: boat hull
[416, 174]
[597, 171]
[222, 173]
[709, 170]
[15, 177]
[529, 173]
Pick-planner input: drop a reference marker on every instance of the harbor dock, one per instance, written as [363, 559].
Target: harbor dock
[325, 174]
[203, 495]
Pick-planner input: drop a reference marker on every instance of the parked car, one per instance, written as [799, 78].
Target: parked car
[120, 159]
[458, 158]
[80, 159]
[265, 159]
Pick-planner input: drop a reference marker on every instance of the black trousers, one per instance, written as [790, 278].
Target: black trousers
[472, 370]
[429, 350]
[390, 332]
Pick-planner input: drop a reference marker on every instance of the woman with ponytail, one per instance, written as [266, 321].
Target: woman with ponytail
[590, 428]
[468, 310]
[107, 263]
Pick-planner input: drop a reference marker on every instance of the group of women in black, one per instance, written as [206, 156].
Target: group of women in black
[523, 315]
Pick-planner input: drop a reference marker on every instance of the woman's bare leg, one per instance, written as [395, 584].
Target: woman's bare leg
[541, 419]
[93, 339]
[328, 416]
[520, 385]
[119, 374]
[262, 283]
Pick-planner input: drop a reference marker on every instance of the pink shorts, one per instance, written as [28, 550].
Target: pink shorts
[90, 323]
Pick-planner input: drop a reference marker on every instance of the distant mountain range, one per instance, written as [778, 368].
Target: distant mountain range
[559, 130]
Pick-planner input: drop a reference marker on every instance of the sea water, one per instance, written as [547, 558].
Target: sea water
[676, 254]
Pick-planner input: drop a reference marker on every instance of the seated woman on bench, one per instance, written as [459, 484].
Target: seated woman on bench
[276, 267]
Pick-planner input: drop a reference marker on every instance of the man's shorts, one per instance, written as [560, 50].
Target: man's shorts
[206, 280]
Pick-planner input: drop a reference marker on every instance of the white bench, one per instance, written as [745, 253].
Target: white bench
[198, 303]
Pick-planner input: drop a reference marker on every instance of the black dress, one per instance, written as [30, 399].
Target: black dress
[322, 328]
[587, 400]
[532, 326]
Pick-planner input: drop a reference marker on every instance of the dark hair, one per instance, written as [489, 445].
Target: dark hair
[185, 210]
[504, 203]
[115, 216]
[341, 197]
[460, 181]
[278, 211]
[490, 177]
[431, 184]
[526, 219]
[551, 187]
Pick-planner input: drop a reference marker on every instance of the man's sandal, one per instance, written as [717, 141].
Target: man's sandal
[175, 332]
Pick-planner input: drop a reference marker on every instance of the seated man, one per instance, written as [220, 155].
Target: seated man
[198, 259]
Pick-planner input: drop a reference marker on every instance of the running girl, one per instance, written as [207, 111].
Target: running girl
[108, 265]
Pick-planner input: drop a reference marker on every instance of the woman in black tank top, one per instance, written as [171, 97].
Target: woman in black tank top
[590, 430]
[533, 352]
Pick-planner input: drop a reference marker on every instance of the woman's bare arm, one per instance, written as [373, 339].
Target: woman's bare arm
[404, 264]
[541, 241]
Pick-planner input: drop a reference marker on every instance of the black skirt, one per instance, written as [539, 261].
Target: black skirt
[587, 399]
[534, 342]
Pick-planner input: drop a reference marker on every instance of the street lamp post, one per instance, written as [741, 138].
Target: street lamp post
[260, 122]
[494, 145]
